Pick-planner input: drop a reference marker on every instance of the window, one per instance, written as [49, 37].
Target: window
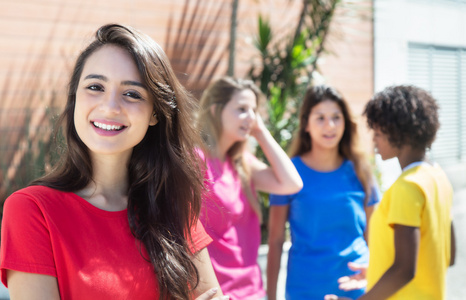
[442, 71]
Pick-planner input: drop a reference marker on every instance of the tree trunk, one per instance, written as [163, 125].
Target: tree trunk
[233, 27]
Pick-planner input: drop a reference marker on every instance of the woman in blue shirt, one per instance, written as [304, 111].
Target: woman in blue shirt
[328, 216]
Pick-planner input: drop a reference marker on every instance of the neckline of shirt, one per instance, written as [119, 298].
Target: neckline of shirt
[415, 164]
[345, 161]
[99, 211]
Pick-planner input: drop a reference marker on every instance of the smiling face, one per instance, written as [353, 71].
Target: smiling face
[326, 125]
[239, 116]
[383, 146]
[113, 108]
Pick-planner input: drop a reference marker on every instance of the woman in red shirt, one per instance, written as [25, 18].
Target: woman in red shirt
[117, 217]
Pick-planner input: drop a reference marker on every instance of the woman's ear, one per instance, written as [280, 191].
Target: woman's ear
[153, 119]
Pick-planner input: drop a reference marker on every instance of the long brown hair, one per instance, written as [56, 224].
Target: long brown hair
[348, 147]
[209, 122]
[165, 182]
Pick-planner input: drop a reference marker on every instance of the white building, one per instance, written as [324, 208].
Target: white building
[423, 42]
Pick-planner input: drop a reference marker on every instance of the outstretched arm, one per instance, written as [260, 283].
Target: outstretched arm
[403, 270]
[277, 218]
[281, 176]
[356, 281]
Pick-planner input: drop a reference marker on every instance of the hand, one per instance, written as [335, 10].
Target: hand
[258, 126]
[210, 293]
[356, 281]
[335, 297]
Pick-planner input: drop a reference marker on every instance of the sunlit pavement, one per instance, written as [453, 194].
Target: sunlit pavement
[456, 279]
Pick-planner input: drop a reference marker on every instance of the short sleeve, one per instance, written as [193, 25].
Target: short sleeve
[406, 204]
[280, 199]
[375, 196]
[200, 238]
[25, 240]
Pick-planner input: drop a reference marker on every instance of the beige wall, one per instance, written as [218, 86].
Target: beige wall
[39, 41]
[349, 64]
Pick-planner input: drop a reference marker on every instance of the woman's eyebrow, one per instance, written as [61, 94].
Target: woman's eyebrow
[126, 82]
[95, 76]
[131, 82]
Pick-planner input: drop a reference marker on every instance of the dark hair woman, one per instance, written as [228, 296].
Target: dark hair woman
[328, 216]
[117, 218]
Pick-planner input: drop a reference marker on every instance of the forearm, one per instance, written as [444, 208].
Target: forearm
[273, 269]
[283, 169]
[393, 280]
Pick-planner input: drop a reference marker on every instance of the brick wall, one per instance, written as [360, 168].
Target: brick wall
[39, 41]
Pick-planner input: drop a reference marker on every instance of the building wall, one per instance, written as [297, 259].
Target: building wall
[397, 23]
[40, 40]
[348, 63]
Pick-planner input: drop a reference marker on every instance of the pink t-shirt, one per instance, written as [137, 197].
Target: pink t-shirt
[91, 251]
[234, 227]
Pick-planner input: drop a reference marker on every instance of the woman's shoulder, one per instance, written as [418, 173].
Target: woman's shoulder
[296, 160]
[347, 166]
[37, 190]
[31, 200]
[35, 193]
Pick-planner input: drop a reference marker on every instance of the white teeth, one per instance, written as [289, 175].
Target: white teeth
[107, 127]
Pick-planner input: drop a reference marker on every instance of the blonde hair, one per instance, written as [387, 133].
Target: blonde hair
[209, 122]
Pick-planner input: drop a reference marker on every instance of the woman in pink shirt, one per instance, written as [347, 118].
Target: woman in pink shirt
[231, 212]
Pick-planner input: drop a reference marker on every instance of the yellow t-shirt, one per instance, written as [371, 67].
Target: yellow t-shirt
[421, 197]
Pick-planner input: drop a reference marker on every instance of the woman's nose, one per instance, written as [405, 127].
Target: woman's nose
[330, 123]
[111, 103]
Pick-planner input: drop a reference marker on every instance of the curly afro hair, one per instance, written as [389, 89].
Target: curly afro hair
[406, 114]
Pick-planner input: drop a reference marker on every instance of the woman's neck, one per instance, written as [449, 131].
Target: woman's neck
[109, 187]
[222, 148]
[322, 159]
[408, 155]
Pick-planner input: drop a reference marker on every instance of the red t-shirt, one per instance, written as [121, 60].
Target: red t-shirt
[91, 251]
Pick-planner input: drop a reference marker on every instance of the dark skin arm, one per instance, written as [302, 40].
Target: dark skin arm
[452, 246]
[403, 269]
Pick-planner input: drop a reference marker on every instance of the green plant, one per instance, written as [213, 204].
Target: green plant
[285, 71]
[286, 65]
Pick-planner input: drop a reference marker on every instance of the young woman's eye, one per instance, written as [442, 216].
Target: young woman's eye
[242, 109]
[95, 87]
[133, 95]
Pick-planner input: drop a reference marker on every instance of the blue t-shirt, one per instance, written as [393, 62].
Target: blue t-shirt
[327, 223]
